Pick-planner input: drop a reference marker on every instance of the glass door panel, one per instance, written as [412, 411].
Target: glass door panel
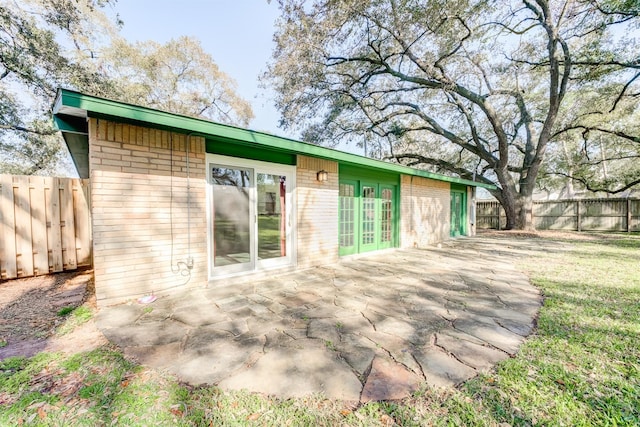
[272, 216]
[368, 237]
[232, 225]
[347, 218]
[457, 213]
[386, 217]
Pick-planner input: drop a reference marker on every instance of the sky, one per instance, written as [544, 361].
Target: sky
[237, 33]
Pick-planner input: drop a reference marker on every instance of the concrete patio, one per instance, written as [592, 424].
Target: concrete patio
[374, 327]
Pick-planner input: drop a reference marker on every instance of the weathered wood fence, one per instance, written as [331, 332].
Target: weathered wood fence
[44, 225]
[578, 215]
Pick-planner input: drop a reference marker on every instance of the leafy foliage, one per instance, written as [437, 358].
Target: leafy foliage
[178, 76]
[46, 44]
[476, 88]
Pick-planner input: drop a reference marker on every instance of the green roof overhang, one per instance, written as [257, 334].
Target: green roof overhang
[70, 106]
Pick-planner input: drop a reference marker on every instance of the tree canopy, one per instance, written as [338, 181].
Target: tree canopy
[178, 76]
[486, 90]
[46, 44]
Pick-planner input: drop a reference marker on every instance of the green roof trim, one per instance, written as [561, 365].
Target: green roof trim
[72, 103]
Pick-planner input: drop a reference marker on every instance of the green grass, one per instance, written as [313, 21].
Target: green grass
[64, 311]
[581, 368]
[76, 317]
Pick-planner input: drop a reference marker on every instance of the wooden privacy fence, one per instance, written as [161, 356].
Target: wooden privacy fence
[577, 215]
[44, 225]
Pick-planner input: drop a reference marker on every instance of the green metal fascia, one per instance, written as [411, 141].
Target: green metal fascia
[349, 171]
[70, 124]
[246, 151]
[119, 110]
[458, 187]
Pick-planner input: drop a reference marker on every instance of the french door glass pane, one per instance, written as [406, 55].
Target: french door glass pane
[385, 213]
[232, 215]
[347, 215]
[272, 220]
[368, 215]
[456, 217]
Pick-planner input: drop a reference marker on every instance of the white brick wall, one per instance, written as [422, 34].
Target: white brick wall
[317, 205]
[425, 211]
[136, 224]
[137, 218]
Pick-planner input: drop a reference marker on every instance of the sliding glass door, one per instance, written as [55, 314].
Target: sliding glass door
[250, 215]
[232, 213]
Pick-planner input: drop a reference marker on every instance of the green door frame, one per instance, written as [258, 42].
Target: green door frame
[459, 229]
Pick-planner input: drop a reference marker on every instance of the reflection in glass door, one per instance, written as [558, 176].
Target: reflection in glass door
[347, 218]
[368, 217]
[457, 213]
[251, 220]
[272, 216]
[386, 217]
[231, 189]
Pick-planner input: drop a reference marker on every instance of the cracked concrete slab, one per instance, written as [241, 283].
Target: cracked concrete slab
[367, 328]
[442, 370]
[477, 356]
[388, 381]
[282, 372]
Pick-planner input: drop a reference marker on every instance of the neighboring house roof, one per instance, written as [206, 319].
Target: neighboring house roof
[71, 109]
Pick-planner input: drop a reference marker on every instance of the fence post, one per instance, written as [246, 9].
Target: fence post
[579, 214]
[499, 212]
[628, 215]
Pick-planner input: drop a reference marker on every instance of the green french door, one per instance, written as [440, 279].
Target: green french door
[367, 217]
[458, 213]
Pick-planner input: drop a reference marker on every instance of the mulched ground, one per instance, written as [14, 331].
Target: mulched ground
[29, 311]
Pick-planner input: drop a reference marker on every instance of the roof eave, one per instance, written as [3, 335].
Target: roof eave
[72, 103]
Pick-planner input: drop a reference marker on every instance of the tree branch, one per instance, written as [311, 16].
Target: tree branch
[442, 164]
[588, 129]
[596, 188]
[28, 130]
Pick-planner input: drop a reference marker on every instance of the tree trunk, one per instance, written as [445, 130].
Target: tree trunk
[518, 210]
[525, 215]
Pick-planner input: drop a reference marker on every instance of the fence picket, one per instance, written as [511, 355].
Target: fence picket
[39, 226]
[24, 248]
[82, 222]
[53, 224]
[9, 264]
[67, 224]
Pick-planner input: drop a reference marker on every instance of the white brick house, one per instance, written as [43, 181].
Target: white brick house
[178, 201]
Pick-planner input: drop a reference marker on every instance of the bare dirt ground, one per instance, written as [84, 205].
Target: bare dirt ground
[551, 234]
[29, 319]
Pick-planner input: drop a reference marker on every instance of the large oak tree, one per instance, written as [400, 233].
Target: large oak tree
[486, 90]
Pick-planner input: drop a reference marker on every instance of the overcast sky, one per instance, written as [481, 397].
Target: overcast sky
[237, 34]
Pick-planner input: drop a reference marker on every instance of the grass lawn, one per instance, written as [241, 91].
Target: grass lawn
[581, 368]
